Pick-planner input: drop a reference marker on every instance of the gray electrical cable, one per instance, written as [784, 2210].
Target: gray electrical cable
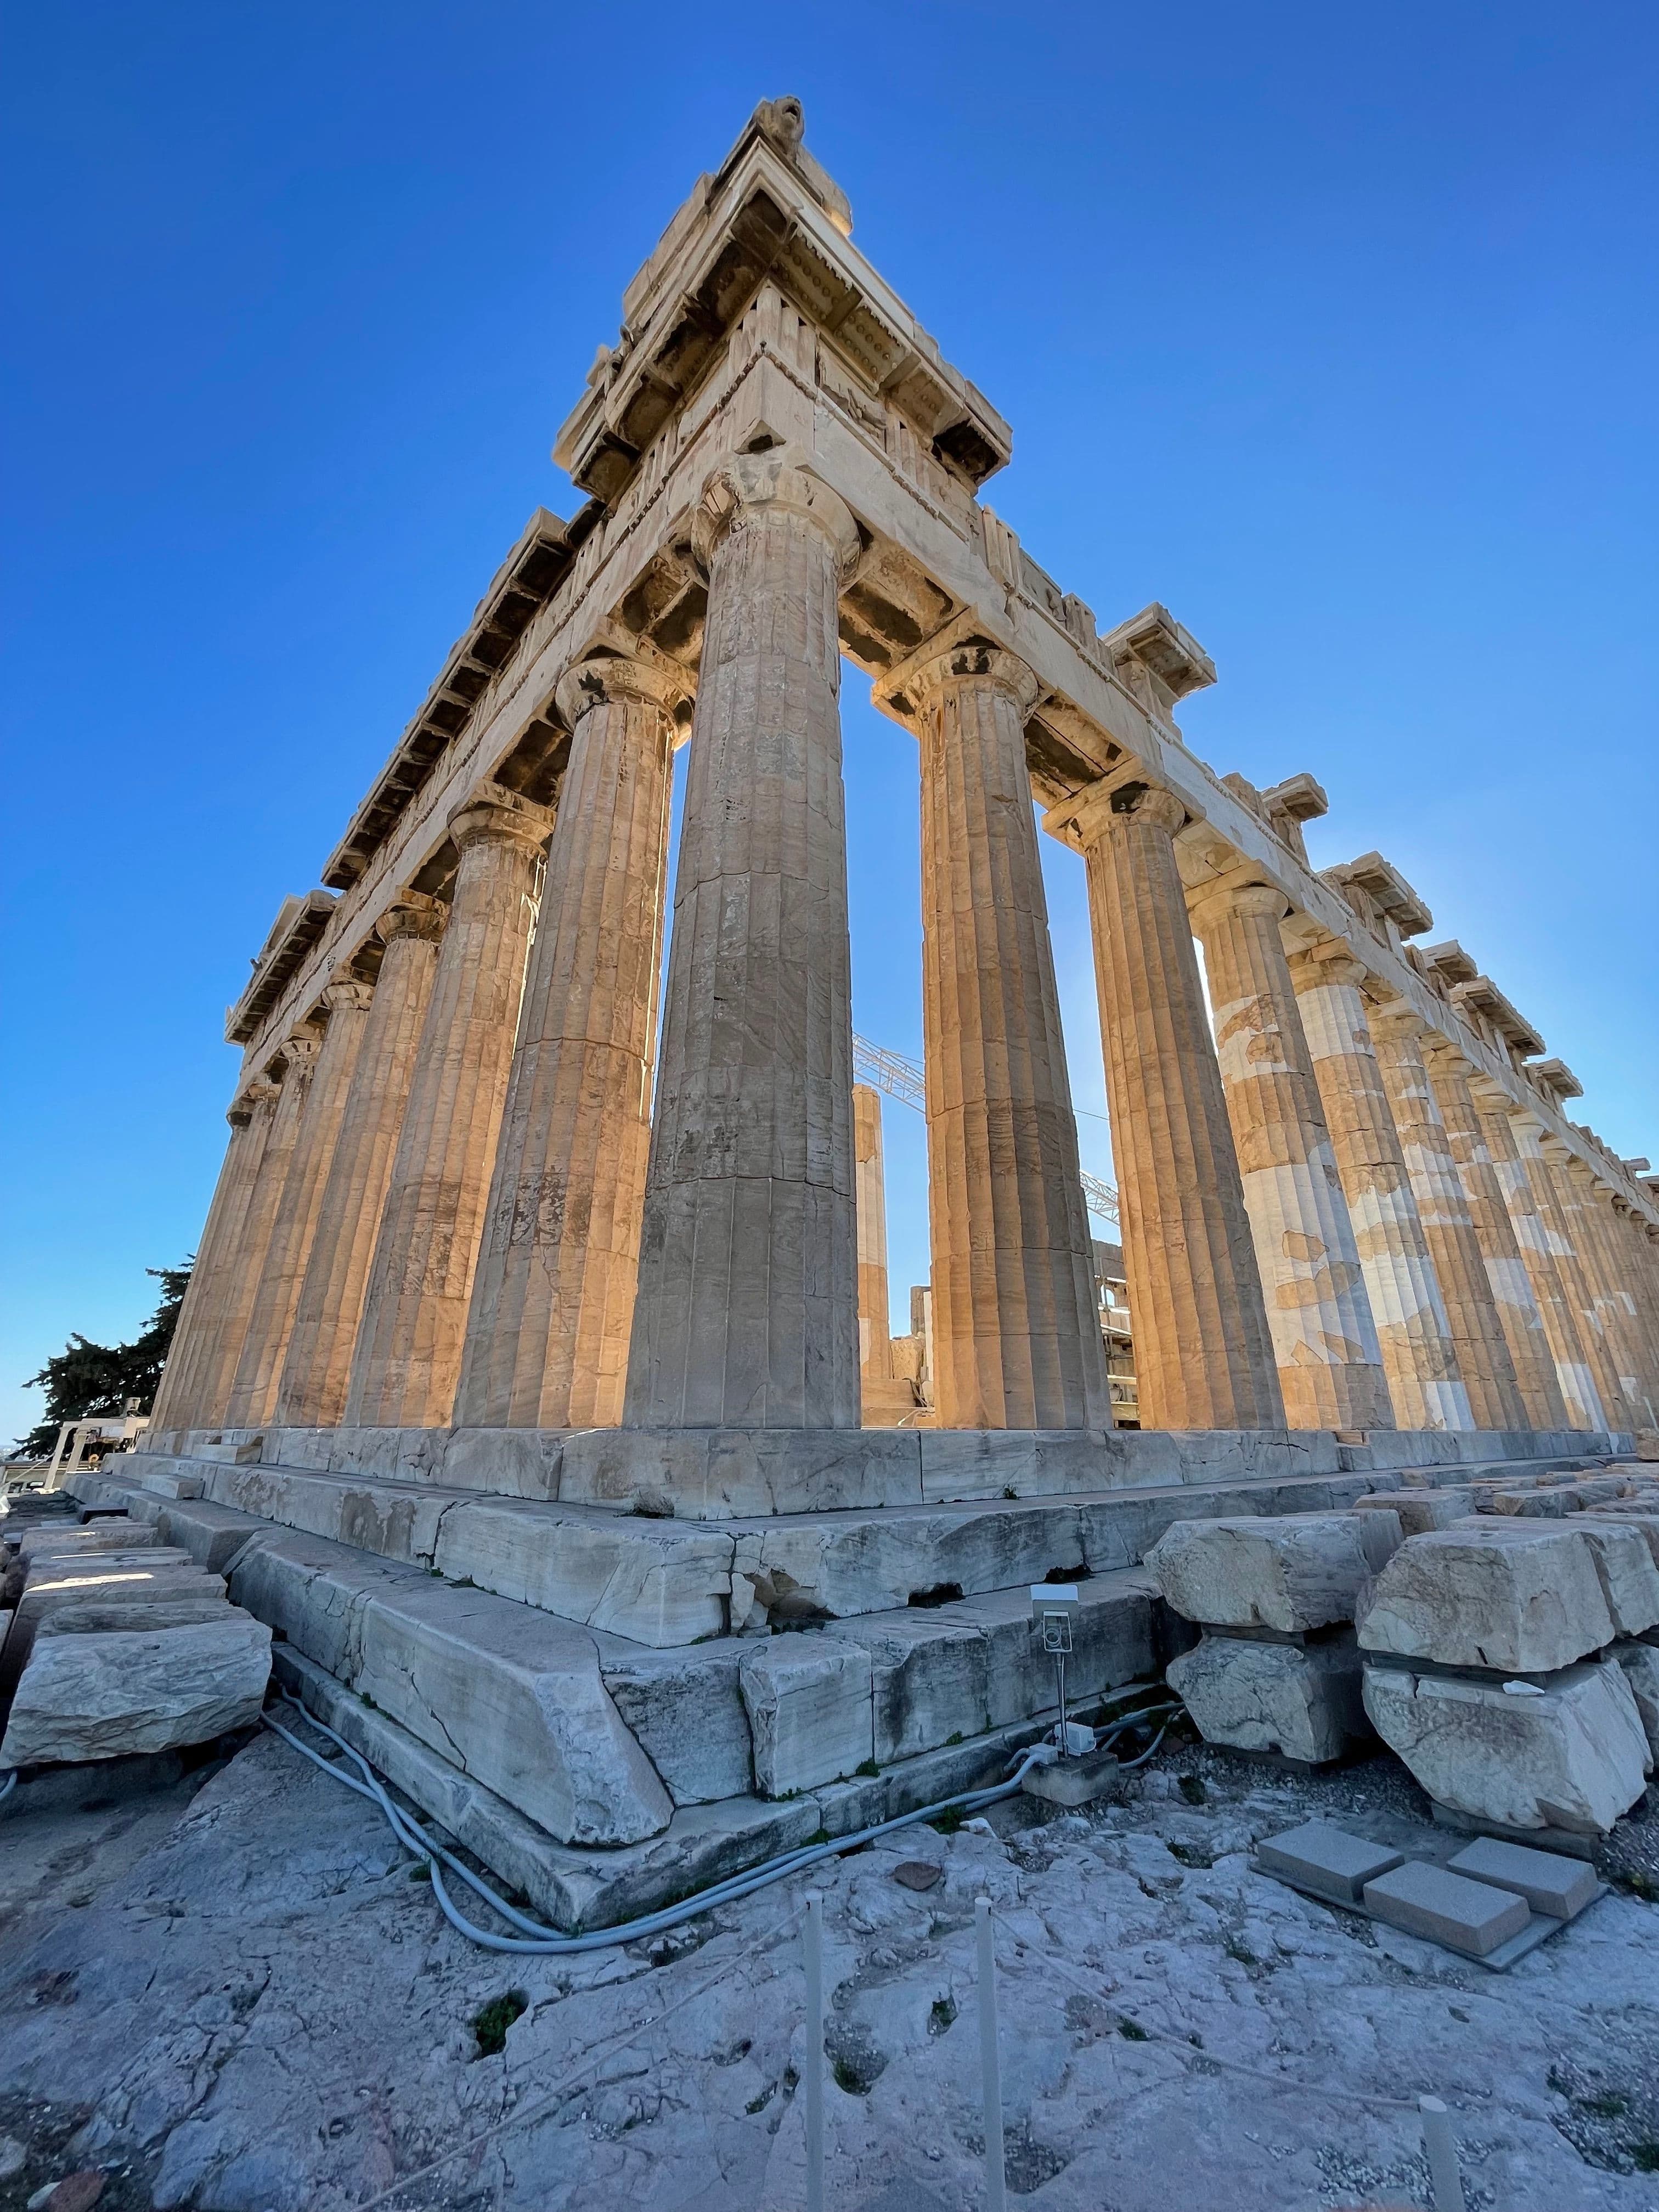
[7, 1785]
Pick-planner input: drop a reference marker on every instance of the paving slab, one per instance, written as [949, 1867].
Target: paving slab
[1446, 1908]
[1322, 1856]
[1549, 1882]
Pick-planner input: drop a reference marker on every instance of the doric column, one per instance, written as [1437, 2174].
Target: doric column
[1512, 1137]
[1412, 1326]
[317, 1372]
[547, 1336]
[247, 1268]
[1508, 1282]
[747, 1308]
[264, 1347]
[199, 1316]
[1016, 1335]
[1615, 1309]
[1330, 1368]
[875, 1323]
[1448, 1218]
[408, 1354]
[1205, 1355]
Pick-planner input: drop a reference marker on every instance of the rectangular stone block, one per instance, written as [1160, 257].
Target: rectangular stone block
[118, 1694]
[1518, 1596]
[685, 1709]
[1303, 1700]
[1447, 1908]
[1293, 1572]
[1418, 1510]
[1570, 1754]
[1322, 1856]
[1640, 1662]
[1629, 1578]
[63, 1543]
[658, 1581]
[808, 1698]
[1549, 1882]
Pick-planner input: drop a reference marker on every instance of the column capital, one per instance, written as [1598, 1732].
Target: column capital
[1119, 801]
[1207, 904]
[249, 1099]
[964, 648]
[350, 994]
[494, 814]
[745, 484]
[609, 676]
[1443, 1051]
[413, 915]
[1395, 1018]
[1329, 962]
[300, 1048]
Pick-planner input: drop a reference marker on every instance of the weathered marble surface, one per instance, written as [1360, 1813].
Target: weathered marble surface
[1301, 1699]
[1523, 1596]
[93, 1693]
[1301, 1571]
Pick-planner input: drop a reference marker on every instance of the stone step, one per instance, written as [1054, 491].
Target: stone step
[666, 1582]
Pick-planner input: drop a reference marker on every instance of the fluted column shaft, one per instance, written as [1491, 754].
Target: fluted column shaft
[1615, 1308]
[875, 1324]
[1205, 1354]
[746, 1312]
[1413, 1328]
[547, 1336]
[316, 1371]
[199, 1316]
[1448, 1219]
[258, 1368]
[1508, 1282]
[1330, 1369]
[1017, 1340]
[1548, 1250]
[246, 1268]
[408, 1354]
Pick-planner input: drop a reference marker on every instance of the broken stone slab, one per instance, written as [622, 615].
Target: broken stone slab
[1292, 1573]
[116, 1694]
[1519, 1597]
[1418, 1510]
[808, 1698]
[1571, 1754]
[1640, 1662]
[1447, 1908]
[1629, 1579]
[510, 1695]
[1303, 1700]
[1549, 1882]
[1642, 1518]
[1319, 1855]
[686, 1711]
[101, 1536]
[126, 1576]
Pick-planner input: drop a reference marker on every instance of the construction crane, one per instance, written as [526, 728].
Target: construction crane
[902, 1078]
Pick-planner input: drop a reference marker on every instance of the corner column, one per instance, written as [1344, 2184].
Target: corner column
[746, 1313]
[408, 1354]
[1448, 1218]
[547, 1336]
[316, 1371]
[1615, 1308]
[1509, 1284]
[258, 1370]
[1413, 1328]
[199, 1315]
[1016, 1337]
[1330, 1367]
[1205, 1356]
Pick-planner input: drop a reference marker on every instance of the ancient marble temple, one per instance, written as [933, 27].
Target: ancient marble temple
[495, 1245]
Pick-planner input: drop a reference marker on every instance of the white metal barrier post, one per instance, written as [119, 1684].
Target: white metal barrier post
[812, 1945]
[990, 2060]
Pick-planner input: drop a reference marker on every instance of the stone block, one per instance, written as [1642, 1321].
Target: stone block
[1418, 1510]
[1447, 1908]
[808, 1696]
[131, 1576]
[1629, 1578]
[1572, 1755]
[111, 1695]
[1112, 1639]
[1549, 1881]
[1291, 1573]
[1518, 1596]
[1642, 1518]
[1303, 1700]
[929, 1680]
[1640, 1664]
[1073, 1782]
[1320, 1857]
[685, 1709]
[657, 1582]
[67, 1542]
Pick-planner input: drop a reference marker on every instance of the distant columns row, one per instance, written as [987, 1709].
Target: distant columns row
[458, 1204]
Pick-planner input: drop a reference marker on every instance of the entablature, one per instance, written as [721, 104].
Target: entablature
[299, 925]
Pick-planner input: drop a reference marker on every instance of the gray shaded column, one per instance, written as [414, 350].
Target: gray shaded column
[317, 1372]
[199, 1316]
[547, 1336]
[1204, 1352]
[407, 1356]
[258, 1370]
[747, 1307]
[1508, 1282]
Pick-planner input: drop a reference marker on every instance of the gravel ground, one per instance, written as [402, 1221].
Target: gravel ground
[232, 1995]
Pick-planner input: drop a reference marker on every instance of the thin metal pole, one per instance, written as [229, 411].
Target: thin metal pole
[1445, 2179]
[990, 2060]
[812, 1943]
[1060, 1664]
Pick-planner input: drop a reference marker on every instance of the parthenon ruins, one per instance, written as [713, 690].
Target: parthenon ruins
[499, 1287]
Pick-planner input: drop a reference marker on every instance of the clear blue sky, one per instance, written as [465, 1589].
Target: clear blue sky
[1332, 327]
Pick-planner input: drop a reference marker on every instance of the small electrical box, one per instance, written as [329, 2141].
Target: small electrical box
[1054, 1607]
